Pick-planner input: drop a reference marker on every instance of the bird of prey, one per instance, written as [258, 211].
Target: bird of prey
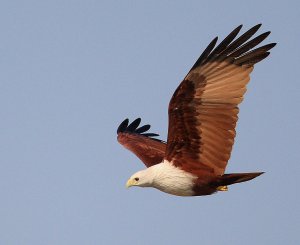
[203, 113]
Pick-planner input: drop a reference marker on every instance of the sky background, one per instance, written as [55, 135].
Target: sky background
[71, 71]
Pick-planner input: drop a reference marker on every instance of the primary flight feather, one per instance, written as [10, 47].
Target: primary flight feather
[203, 113]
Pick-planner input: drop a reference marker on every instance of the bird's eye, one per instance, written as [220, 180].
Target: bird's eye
[136, 179]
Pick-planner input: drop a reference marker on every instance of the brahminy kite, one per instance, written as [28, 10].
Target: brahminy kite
[203, 113]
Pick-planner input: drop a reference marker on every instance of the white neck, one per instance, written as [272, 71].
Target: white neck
[170, 179]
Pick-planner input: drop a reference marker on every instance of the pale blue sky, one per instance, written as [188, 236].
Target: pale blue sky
[71, 71]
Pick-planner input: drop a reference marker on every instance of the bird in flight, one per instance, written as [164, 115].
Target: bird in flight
[203, 113]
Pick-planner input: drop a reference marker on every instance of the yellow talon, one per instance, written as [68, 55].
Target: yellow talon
[222, 188]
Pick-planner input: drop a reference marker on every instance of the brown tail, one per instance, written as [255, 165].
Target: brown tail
[229, 179]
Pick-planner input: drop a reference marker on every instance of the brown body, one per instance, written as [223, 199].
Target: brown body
[210, 184]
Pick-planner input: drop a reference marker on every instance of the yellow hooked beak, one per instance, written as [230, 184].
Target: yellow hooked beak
[130, 183]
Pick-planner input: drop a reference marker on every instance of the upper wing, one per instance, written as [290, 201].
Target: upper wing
[150, 150]
[203, 110]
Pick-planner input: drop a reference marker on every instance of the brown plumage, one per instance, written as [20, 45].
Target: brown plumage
[203, 113]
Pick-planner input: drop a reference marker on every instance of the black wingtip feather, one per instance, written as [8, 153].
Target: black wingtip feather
[242, 39]
[224, 44]
[251, 44]
[150, 134]
[205, 53]
[133, 128]
[240, 50]
[122, 127]
[143, 129]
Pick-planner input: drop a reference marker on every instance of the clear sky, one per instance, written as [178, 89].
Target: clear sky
[71, 71]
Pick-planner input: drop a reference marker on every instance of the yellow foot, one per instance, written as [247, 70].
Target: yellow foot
[222, 188]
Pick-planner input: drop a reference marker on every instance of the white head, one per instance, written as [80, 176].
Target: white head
[165, 177]
[142, 178]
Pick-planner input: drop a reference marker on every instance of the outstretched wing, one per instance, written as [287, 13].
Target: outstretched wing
[150, 150]
[204, 108]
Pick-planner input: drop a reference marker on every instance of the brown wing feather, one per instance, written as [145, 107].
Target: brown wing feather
[149, 150]
[203, 111]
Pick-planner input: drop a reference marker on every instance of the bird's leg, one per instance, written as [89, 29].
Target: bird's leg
[222, 188]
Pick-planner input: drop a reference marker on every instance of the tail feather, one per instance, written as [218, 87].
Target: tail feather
[229, 179]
